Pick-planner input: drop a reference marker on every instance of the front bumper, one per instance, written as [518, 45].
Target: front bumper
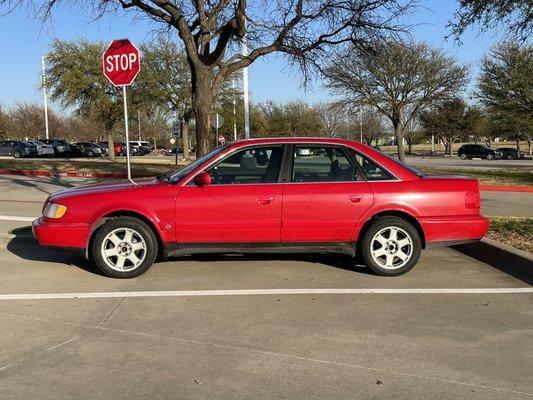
[68, 236]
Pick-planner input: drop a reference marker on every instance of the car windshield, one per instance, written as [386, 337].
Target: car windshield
[176, 176]
[415, 171]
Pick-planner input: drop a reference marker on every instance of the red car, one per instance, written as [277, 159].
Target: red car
[286, 195]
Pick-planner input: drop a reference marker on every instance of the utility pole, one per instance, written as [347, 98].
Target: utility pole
[45, 98]
[245, 90]
[361, 124]
[234, 112]
[139, 121]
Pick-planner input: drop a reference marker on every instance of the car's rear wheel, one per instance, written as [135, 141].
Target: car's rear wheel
[391, 246]
[124, 247]
[90, 153]
[17, 154]
[490, 157]
[463, 156]
[509, 157]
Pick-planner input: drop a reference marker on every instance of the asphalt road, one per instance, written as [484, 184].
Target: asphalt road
[452, 328]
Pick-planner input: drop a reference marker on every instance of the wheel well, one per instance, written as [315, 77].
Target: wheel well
[400, 214]
[125, 213]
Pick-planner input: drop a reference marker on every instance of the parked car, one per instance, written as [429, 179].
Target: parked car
[62, 148]
[17, 148]
[43, 149]
[352, 199]
[120, 150]
[470, 151]
[144, 147]
[135, 150]
[511, 153]
[88, 149]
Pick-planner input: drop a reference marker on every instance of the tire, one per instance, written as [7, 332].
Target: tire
[17, 154]
[400, 237]
[124, 262]
[509, 157]
[490, 157]
[90, 153]
[463, 156]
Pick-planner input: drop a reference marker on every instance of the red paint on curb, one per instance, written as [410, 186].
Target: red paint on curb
[506, 188]
[29, 172]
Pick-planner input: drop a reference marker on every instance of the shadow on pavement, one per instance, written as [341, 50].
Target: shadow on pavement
[511, 264]
[27, 248]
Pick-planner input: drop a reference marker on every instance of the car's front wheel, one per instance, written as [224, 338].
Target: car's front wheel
[463, 156]
[490, 157]
[391, 246]
[124, 247]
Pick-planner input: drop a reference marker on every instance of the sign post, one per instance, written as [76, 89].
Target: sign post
[121, 63]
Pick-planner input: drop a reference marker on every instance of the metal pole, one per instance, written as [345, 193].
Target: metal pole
[361, 124]
[245, 90]
[432, 144]
[234, 112]
[139, 120]
[127, 132]
[45, 99]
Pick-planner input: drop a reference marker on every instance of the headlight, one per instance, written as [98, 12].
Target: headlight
[54, 211]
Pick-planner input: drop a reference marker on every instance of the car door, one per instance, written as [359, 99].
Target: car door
[3, 148]
[323, 196]
[242, 205]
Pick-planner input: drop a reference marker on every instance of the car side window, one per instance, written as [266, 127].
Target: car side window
[248, 166]
[322, 164]
[372, 170]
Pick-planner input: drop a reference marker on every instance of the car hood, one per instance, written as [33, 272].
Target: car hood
[99, 188]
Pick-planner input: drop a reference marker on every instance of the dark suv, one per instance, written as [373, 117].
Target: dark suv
[469, 151]
[62, 148]
[17, 148]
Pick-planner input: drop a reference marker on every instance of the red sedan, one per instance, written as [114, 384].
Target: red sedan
[287, 195]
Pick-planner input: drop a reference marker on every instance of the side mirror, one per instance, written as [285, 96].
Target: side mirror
[202, 179]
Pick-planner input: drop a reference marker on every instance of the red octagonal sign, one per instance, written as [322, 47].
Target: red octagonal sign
[121, 62]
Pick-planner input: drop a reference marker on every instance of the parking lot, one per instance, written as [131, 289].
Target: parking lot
[256, 326]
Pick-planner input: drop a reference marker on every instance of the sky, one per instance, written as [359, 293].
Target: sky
[23, 41]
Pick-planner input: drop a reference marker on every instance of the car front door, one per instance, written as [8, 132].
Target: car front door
[241, 205]
[323, 196]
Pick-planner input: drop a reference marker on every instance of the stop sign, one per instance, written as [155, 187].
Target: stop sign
[121, 62]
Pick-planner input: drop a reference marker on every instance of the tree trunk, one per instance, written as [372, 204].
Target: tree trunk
[528, 138]
[203, 103]
[398, 133]
[185, 138]
[111, 145]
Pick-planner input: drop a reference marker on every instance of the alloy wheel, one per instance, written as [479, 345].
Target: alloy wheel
[123, 249]
[391, 247]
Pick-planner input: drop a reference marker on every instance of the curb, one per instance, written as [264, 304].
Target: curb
[29, 172]
[507, 259]
[506, 188]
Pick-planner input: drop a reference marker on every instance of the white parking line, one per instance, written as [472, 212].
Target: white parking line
[14, 218]
[256, 292]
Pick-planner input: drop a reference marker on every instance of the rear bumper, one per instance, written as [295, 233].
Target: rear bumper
[69, 236]
[454, 229]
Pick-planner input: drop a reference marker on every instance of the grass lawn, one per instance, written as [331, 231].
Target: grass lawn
[513, 231]
[514, 176]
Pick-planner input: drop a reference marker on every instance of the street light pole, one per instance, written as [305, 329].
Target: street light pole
[245, 90]
[234, 112]
[139, 121]
[45, 98]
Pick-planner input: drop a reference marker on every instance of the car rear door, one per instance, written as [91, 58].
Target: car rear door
[323, 195]
[242, 205]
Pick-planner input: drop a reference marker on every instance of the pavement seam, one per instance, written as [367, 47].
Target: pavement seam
[251, 350]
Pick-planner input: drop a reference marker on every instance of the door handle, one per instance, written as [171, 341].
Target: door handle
[266, 200]
[355, 198]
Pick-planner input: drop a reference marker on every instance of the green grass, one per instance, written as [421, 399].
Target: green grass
[513, 176]
[513, 231]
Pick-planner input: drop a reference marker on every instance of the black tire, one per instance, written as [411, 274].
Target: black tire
[141, 228]
[90, 153]
[509, 157]
[490, 157]
[463, 156]
[17, 154]
[379, 225]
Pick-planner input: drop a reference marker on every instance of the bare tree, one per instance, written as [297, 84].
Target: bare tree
[212, 31]
[399, 79]
[515, 15]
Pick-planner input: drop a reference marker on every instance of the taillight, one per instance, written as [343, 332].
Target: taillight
[472, 200]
